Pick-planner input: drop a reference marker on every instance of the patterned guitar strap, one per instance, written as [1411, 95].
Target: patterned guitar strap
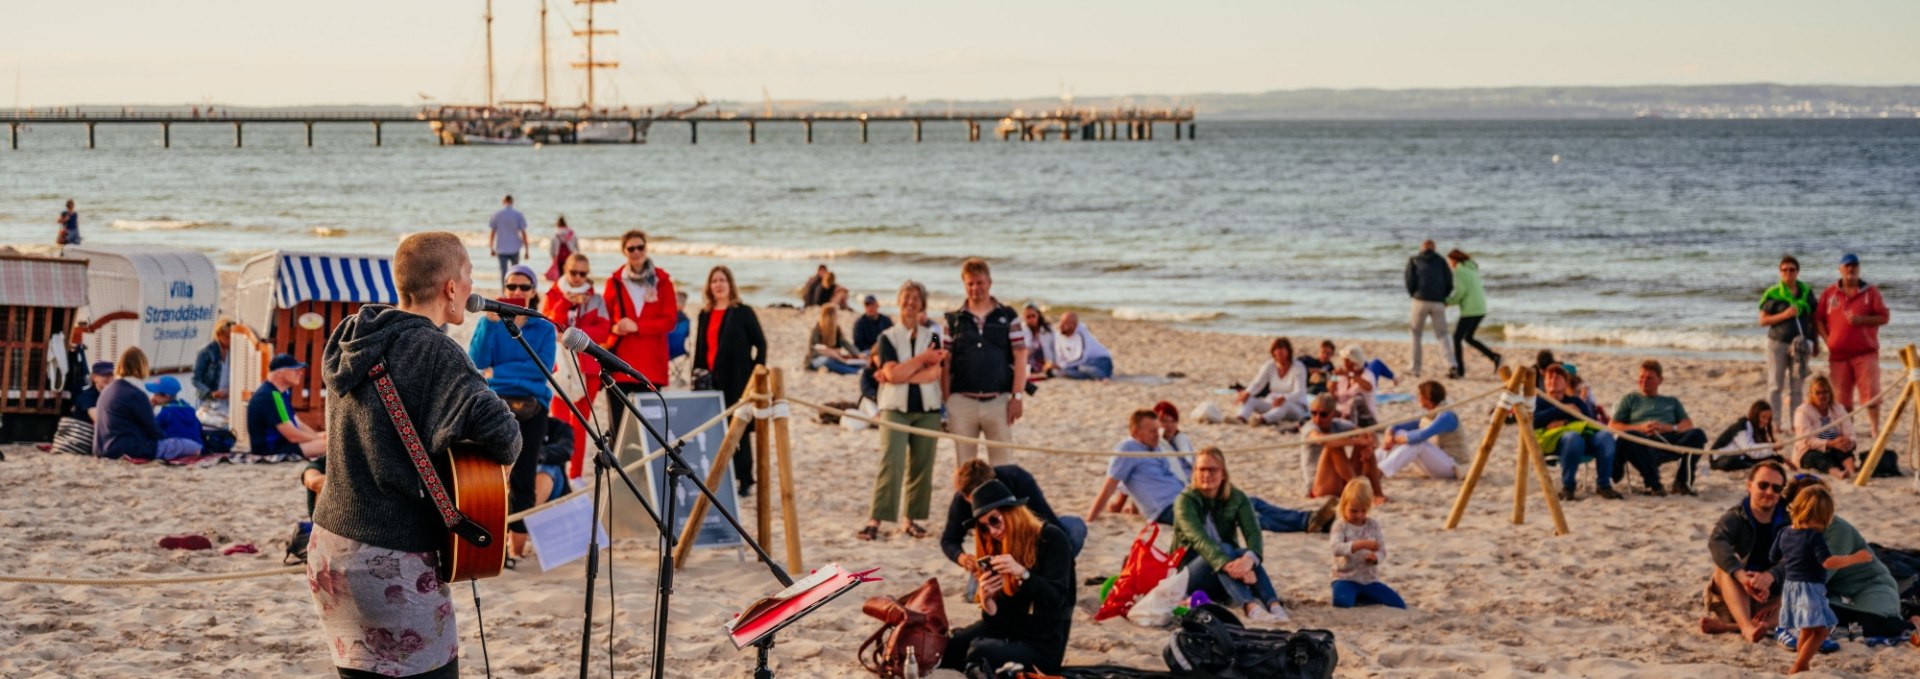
[455, 522]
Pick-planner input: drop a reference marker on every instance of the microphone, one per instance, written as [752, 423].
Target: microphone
[578, 342]
[477, 304]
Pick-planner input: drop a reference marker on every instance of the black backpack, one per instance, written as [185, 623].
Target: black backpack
[1211, 642]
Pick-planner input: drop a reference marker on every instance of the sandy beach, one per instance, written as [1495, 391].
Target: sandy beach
[1618, 597]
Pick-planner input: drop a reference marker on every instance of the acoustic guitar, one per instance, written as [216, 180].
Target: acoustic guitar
[479, 489]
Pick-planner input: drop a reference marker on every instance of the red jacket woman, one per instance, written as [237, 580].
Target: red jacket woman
[591, 316]
[641, 300]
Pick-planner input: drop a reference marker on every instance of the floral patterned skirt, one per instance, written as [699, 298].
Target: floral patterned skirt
[382, 610]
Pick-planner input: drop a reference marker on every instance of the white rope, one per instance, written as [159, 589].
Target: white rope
[1777, 445]
[1110, 453]
[781, 411]
[1514, 398]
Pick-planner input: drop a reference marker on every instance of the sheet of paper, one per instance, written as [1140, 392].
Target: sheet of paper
[560, 534]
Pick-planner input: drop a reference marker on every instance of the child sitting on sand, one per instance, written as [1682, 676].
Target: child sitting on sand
[1358, 547]
[1802, 549]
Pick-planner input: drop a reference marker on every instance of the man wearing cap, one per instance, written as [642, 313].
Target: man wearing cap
[74, 433]
[867, 328]
[1851, 313]
[272, 430]
[84, 402]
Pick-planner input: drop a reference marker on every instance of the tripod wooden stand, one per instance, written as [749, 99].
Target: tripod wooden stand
[1909, 400]
[1514, 403]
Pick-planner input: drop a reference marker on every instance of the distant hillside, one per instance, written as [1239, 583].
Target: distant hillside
[1760, 100]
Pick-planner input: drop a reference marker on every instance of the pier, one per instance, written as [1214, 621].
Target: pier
[1060, 125]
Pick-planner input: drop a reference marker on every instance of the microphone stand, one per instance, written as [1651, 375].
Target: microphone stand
[678, 470]
[603, 461]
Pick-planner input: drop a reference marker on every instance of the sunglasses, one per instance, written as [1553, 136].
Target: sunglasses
[517, 287]
[1769, 486]
[581, 274]
[637, 248]
[993, 521]
[1322, 413]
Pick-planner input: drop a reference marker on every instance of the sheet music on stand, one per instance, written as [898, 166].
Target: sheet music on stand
[768, 615]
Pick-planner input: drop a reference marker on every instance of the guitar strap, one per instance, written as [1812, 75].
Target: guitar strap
[455, 522]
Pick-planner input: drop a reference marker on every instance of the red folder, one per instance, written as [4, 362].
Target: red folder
[770, 614]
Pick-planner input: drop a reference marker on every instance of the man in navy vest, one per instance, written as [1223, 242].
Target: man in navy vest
[986, 374]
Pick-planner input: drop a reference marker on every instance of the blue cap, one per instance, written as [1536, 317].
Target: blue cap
[103, 368]
[1849, 258]
[167, 386]
[285, 361]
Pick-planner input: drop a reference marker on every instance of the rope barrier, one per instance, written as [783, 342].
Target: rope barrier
[1777, 445]
[134, 582]
[290, 570]
[1308, 440]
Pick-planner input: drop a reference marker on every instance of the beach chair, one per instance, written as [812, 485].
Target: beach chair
[39, 300]
[288, 303]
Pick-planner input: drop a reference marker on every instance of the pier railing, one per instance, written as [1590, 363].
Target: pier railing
[1133, 124]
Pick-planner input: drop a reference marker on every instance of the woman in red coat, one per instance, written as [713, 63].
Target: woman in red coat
[571, 303]
[640, 297]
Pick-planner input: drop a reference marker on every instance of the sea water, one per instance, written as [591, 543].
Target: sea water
[1635, 234]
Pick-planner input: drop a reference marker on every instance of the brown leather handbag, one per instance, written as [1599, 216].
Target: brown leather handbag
[919, 622]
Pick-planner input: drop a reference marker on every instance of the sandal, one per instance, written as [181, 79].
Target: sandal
[868, 534]
[914, 530]
[512, 563]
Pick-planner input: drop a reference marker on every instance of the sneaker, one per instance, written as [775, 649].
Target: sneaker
[1684, 489]
[1883, 642]
[1567, 495]
[1322, 519]
[1790, 640]
[1259, 616]
[1609, 493]
[1278, 612]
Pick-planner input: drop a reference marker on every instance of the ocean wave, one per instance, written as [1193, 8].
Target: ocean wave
[1691, 340]
[329, 231]
[721, 250]
[162, 224]
[1127, 313]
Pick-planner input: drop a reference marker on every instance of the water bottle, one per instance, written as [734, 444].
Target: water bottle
[911, 668]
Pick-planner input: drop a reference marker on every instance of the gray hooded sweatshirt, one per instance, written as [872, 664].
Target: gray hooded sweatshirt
[373, 493]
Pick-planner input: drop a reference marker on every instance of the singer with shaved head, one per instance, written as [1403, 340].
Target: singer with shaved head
[370, 563]
[521, 381]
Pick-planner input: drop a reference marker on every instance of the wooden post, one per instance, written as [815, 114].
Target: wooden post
[1066, 131]
[1176, 131]
[916, 131]
[309, 125]
[90, 135]
[693, 132]
[973, 130]
[753, 131]
[863, 130]
[13, 136]
[376, 133]
[1530, 448]
[1190, 132]
[715, 476]
[238, 137]
[762, 440]
[808, 124]
[633, 132]
[166, 135]
[789, 509]
[1480, 456]
[1520, 473]
[1911, 359]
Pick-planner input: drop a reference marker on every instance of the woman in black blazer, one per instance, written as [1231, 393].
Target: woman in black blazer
[728, 345]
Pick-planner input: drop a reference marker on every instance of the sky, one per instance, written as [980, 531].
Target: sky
[278, 52]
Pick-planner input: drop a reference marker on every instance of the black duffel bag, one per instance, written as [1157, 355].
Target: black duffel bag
[1211, 642]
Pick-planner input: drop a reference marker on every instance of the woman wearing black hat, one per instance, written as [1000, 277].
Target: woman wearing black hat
[1026, 588]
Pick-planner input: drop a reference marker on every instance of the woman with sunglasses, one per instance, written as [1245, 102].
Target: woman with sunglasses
[641, 299]
[521, 381]
[571, 303]
[1026, 588]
